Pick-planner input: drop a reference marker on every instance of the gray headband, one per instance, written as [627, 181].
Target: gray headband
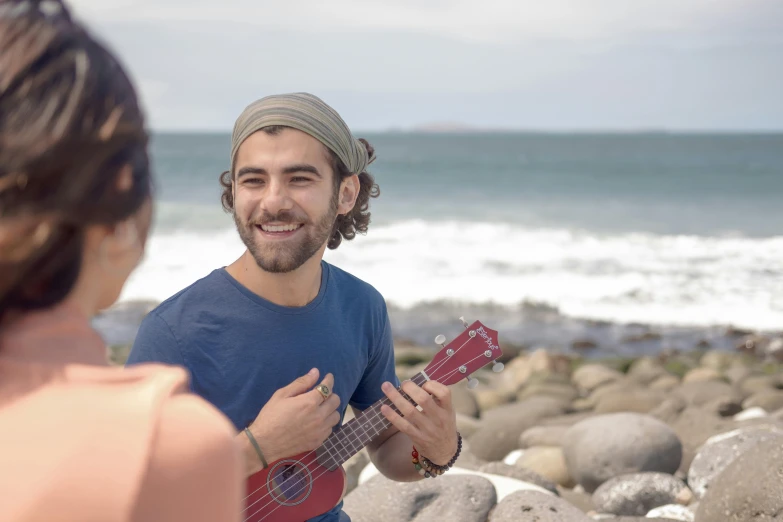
[306, 113]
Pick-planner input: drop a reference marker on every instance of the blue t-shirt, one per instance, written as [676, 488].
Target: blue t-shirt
[240, 348]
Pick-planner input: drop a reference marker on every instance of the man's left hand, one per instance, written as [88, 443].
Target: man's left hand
[433, 430]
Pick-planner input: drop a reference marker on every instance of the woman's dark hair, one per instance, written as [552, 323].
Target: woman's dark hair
[346, 226]
[69, 123]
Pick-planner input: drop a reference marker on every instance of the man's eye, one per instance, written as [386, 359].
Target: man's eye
[300, 179]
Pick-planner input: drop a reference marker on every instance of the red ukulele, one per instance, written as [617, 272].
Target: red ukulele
[307, 485]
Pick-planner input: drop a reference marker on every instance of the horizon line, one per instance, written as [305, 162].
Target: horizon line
[498, 130]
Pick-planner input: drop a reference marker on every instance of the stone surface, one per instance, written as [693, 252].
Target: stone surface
[607, 446]
[701, 375]
[353, 468]
[632, 400]
[467, 425]
[525, 475]
[665, 383]
[768, 400]
[532, 506]
[750, 489]
[577, 497]
[637, 493]
[591, 376]
[502, 426]
[672, 512]
[645, 370]
[547, 461]
[694, 426]
[542, 436]
[463, 498]
[464, 401]
[720, 451]
[701, 393]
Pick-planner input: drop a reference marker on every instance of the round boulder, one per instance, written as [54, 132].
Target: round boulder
[769, 400]
[701, 393]
[702, 374]
[548, 462]
[532, 505]
[525, 475]
[721, 450]
[607, 446]
[638, 493]
[750, 488]
[590, 376]
[542, 436]
[502, 426]
[634, 400]
[466, 498]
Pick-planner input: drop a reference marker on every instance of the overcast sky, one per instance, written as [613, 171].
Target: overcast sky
[523, 64]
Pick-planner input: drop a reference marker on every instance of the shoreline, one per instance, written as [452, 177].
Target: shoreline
[530, 329]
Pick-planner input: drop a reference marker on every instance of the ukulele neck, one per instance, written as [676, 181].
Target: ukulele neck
[354, 435]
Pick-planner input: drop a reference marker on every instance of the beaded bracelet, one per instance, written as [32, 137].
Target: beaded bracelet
[430, 470]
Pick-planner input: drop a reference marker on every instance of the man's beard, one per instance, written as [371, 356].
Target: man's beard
[289, 255]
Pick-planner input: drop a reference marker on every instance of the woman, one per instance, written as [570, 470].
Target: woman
[81, 440]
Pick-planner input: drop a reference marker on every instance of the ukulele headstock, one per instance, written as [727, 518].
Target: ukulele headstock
[471, 350]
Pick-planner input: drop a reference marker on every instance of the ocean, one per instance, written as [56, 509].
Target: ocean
[549, 238]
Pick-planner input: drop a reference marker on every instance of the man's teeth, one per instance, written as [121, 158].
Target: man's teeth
[279, 228]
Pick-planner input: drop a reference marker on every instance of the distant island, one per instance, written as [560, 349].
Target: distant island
[446, 126]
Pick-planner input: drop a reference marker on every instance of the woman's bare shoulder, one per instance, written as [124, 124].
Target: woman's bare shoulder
[195, 467]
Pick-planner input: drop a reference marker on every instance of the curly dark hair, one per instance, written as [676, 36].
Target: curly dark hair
[69, 123]
[345, 226]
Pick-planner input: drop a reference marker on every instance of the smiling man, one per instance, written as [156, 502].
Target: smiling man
[257, 335]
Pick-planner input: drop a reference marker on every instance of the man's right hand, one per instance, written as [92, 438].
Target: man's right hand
[296, 419]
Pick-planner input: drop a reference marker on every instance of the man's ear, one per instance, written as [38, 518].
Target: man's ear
[349, 191]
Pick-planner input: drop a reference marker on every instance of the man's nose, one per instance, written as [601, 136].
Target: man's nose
[276, 197]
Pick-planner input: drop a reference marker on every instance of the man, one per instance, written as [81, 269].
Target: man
[257, 335]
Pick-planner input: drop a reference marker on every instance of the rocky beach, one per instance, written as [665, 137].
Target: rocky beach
[689, 437]
[565, 434]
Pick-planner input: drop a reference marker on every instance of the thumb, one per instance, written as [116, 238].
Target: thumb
[300, 384]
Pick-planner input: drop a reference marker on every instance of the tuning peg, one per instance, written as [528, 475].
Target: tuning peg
[498, 367]
[440, 339]
[464, 322]
[472, 382]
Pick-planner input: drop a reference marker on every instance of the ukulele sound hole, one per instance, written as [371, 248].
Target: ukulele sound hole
[289, 482]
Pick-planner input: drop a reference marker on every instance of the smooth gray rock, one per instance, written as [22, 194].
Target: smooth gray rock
[535, 506]
[591, 376]
[720, 451]
[638, 493]
[525, 475]
[461, 498]
[606, 446]
[502, 426]
[542, 436]
[750, 489]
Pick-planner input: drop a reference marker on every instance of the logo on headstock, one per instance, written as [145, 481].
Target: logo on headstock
[487, 338]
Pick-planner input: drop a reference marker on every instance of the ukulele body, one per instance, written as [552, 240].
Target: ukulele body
[293, 489]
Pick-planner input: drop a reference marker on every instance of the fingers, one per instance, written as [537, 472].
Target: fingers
[317, 397]
[330, 404]
[421, 397]
[300, 385]
[441, 392]
[333, 419]
[398, 422]
[403, 405]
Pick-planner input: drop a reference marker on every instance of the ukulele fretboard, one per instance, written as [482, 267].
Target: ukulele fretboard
[354, 435]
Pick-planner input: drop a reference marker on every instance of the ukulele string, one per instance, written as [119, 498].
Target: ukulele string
[376, 416]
